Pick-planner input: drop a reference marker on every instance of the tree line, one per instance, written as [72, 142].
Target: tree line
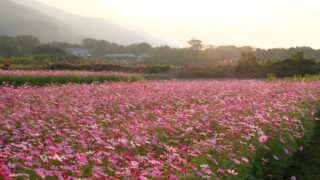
[196, 59]
[196, 52]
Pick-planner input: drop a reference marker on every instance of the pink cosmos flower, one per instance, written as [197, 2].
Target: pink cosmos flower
[265, 160]
[20, 175]
[236, 161]
[189, 129]
[220, 171]
[276, 157]
[113, 160]
[244, 159]
[263, 138]
[134, 164]
[233, 172]
[82, 158]
[74, 123]
[123, 142]
[270, 175]
[293, 178]
[41, 173]
[156, 173]
[301, 148]
[206, 169]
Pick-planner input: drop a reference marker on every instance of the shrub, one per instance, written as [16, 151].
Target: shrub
[49, 49]
[248, 63]
[157, 69]
[271, 77]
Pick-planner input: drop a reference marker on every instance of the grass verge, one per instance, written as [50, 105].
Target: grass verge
[18, 80]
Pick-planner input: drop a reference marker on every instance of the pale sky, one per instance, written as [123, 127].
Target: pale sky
[258, 23]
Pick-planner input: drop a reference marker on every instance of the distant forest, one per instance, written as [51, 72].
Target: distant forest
[197, 59]
[29, 45]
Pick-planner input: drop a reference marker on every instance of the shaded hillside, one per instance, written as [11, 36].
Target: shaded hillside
[19, 17]
[17, 20]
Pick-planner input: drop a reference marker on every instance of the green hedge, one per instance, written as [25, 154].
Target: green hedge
[50, 79]
[111, 67]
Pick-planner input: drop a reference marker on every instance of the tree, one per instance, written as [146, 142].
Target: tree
[296, 64]
[195, 44]
[28, 43]
[50, 50]
[9, 46]
[248, 63]
[140, 48]
[297, 57]
[89, 43]
[196, 47]
[21, 45]
[101, 47]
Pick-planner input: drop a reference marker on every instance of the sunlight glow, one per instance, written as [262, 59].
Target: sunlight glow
[269, 23]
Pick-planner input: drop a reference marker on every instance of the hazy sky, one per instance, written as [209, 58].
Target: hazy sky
[258, 23]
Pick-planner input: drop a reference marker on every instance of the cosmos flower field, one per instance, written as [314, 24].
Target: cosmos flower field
[153, 130]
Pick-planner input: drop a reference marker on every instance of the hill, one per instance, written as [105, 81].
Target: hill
[16, 19]
[50, 24]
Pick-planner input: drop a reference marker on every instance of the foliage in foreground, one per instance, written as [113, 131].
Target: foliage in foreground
[18, 78]
[305, 78]
[306, 163]
[297, 78]
[198, 129]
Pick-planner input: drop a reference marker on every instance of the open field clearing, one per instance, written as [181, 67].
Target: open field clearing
[151, 130]
[43, 77]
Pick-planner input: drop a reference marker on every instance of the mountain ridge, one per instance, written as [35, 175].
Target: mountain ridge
[51, 24]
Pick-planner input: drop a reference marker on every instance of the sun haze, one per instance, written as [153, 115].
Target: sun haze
[264, 24]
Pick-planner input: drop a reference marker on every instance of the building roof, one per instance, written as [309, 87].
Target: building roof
[78, 50]
[120, 55]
